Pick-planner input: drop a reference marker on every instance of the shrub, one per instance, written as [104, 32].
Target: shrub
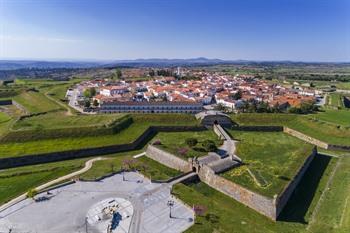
[183, 151]
[157, 142]
[31, 193]
[209, 146]
[191, 142]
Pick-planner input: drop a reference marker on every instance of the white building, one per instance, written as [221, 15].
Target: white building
[151, 107]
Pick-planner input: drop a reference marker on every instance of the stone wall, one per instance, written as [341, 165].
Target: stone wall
[305, 138]
[258, 128]
[222, 134]
[284, 196]
[259, 203]
[167, 159]
[338, 147]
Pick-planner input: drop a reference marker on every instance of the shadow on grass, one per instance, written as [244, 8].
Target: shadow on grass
[300, 201]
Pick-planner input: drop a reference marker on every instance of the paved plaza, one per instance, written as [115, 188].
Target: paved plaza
[133, 205]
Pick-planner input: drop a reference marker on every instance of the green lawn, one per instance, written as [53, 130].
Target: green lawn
[154, 170]
[141, 123]
[61, 120]
[338, 117]
[36, 102]
[326, 131]
[175, 141]
[227, 215]
[334, 209]
[146, 166]
[273, 159]
[335, 100]
[16, 181]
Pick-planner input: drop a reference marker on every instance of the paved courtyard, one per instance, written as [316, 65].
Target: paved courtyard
[134, 205]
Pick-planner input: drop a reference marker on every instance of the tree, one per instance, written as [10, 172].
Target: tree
[221, 107]
[129, 164]
[191, 142]
[118, 74]
[95, 103]
[87, 104]
[92, 91]
[237, 95]
[200, 210]
[209, 145]
[88, 93]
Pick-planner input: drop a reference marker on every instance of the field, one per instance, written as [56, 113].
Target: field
[60, 120]
[271, 160]
[175, 143]
[141, 123]
[323, 130]
[36, 102]
[114, 163]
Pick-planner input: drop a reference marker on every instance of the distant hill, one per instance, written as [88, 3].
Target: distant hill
[152, 62]
[26, 64]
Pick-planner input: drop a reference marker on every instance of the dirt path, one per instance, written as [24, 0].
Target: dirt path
[69, 110]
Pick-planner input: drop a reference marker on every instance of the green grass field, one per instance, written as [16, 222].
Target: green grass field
[326, 130]
[273, 159]
[174, 141]
[60, 120]
[141, 123]
[335, 100]
[338, 117]
[333, 214]
[36, 102]
[16, 181]
[114, 163]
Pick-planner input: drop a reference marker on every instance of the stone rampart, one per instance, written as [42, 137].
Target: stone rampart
[167, 159]
[284, 196]
[259, 203]
[305, 137]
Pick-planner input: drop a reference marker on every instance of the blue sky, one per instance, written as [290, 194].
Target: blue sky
[300, 30]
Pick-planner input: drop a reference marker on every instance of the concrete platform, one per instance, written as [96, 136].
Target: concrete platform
[76, 208]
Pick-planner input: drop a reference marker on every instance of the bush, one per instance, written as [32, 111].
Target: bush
[209, 146]
[183, 151]
[157, 142]
[191, 142]
[31, 193]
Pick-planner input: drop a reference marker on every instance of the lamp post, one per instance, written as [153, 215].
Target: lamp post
[170, 204]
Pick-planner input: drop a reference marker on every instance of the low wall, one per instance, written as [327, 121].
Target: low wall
[259, 203]
[221, 132]
[338, 147]
[167, 159]
[258, 128]
[284, 196]
[305, 138]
